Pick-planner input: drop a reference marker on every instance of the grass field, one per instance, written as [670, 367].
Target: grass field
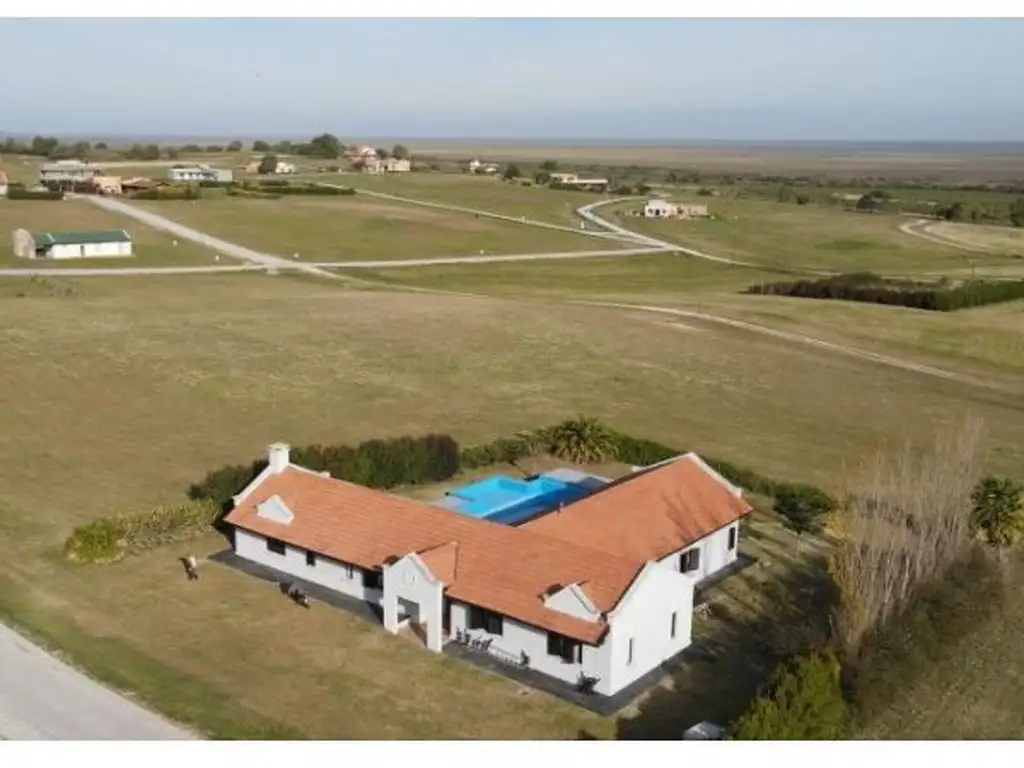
[953, 168]
[987, 341]
[133, 388]
[151, 247]
[481, 193]
[322, 228]
[809, 237]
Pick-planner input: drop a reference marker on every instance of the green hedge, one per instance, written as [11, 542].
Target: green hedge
[381, 464]
[20, 193]
[627, 449]
[870, 288]
[111, 538]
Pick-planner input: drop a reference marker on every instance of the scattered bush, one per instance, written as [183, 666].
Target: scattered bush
[870, 288]
[111, 538]
[582, 440]
[804, 701]
[998, 511]
[803, 508]
[221, 484]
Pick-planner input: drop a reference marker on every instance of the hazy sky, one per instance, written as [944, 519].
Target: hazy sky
[643, 79]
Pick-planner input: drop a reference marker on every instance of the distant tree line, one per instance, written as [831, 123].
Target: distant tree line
[871, 288]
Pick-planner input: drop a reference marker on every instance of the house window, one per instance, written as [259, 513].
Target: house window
[348, 570]
[489, 621]
[276, 546]
[373, 579]
[689, 561]
[311, 559]
[672, 631]
[569, 651]
[629, 656]
[732, 538]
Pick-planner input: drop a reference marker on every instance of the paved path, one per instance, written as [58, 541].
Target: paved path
[43, 698]
[128, 271]
[921, 228]
[233, 250]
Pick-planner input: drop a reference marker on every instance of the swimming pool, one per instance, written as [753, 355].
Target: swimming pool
[509, 500]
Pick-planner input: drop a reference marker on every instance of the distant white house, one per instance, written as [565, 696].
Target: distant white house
[475, 166]
[181, 173]
[3, 184]
[72, 245]
[662, 209]
[68, 172]
[284, 167]
[377, 164]
[600, 589]
[574, 180]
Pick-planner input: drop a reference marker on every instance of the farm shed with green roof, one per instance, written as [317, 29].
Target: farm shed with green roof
[101, 244]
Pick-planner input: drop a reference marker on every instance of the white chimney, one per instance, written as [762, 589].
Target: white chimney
[277, 456]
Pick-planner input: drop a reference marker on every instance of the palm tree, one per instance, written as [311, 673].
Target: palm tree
[582, 440]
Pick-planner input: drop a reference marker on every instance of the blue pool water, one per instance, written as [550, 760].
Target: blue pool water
[509, 500]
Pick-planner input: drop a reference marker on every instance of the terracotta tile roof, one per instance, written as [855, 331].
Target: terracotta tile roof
[442, 561]
[648, 515]
[493, 566]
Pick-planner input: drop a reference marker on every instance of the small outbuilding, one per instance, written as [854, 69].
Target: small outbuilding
[3, 184]
[72, 245]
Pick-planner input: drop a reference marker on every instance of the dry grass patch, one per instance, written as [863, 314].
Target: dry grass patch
[357, 229]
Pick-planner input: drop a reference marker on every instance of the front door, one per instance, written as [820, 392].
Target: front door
[446, 616]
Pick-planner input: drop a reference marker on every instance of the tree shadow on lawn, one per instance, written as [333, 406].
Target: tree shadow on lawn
[739, 649]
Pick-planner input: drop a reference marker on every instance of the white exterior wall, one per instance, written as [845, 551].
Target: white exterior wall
[91, 250]
[645, 617]
[327, 573]
[409, 580]
[517, 638]
[714, 553]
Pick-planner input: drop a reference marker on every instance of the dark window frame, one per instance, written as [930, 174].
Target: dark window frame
[672, 631]
[689, 561]
[480, 618]
[373, 579]
[310, 558]
[568, 650]
[276, 546]
[732, 538]
[629, 654]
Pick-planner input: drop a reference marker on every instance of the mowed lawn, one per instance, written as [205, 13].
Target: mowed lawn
[132, 389]
[479, 193]
[151, 247]
[355, 228]
[809, 237]
[988, 341]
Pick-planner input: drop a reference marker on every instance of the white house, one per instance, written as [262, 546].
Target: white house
[67, 172]
[284, 167]
[3, 184]
[72, 245]
[662, 209]
[601, 588]
[475, 166]
[181, 173]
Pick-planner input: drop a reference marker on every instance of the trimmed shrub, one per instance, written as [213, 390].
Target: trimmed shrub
[110, 538]
[639, 452]
[20, 193]
[221, 484]
[870, 288]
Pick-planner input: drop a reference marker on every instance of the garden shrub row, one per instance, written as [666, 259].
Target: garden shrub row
[638, 452]
[287, 188]
[383, 464]
[21, 193]
[378, 463]
[870, 288]
[110, 538]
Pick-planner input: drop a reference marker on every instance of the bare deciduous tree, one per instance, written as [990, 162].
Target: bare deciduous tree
[904, 520]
